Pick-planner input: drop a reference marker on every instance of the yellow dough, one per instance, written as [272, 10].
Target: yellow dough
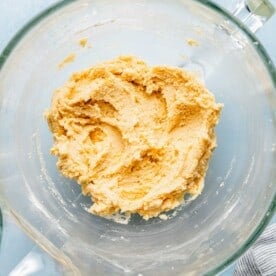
[136, 138]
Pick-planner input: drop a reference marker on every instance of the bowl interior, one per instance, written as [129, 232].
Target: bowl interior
[238, 191]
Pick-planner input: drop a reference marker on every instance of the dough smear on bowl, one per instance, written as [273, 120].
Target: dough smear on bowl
[136, 138]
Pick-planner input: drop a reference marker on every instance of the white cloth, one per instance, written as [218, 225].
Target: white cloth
[260, 259]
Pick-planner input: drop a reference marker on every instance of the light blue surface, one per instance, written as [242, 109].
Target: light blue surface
[17, 250]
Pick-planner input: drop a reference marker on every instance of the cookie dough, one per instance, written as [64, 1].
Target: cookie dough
[136, 138]
[70, 58]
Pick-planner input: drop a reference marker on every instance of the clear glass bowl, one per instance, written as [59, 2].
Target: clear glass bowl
[239, 195]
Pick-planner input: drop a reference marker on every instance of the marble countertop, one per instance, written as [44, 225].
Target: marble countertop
[19, 255]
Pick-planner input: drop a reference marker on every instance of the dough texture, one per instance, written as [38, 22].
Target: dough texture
[136, 138]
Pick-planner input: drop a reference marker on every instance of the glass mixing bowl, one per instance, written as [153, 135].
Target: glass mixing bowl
[239, 195]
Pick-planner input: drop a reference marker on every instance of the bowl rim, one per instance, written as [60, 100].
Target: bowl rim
[259, 49]
[1, 225]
